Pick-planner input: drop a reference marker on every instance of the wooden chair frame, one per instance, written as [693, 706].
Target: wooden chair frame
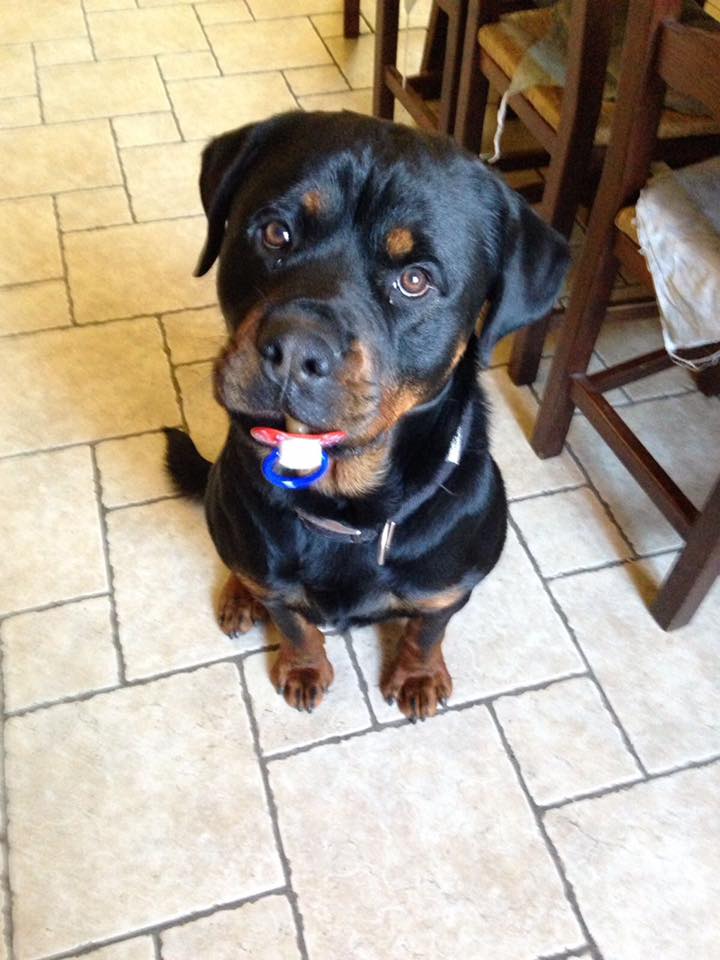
[658, 51]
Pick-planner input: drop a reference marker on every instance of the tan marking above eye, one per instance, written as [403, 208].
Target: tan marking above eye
[313, 203]
[399, 242]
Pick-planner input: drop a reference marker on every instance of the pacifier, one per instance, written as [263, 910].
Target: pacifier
[304, 452]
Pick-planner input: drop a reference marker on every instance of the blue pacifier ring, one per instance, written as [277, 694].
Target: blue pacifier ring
[293, 483]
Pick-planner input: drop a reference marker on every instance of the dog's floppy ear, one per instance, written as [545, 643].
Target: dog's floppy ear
[531, 261]
[225, 161]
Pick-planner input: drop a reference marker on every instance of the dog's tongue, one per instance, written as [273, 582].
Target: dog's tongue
[298, 451]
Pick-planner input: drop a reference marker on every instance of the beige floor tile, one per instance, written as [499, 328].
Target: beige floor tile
[163, 179]
[223, 11]
[92, 5]
[77, 91]
[34, 306]
[310, 80]
[140, 268]
[101, 207]
[57, 653]
[137, 785]
[507, 636]
[41, 20]
[17, 71]
[359, 101]
[681, 433]
[565, 740]
[50, 516]
[34, 253]
[97, 382]
[143, 129]
[264, 930]
[270, 9]
[195, 334]
[569, 531]
[137, 33]
[133, 469]
[19, 112]
[167, 575]
[187, 66]
[375, 882]
[620, 341]
[207, 420]
[342, 711]
[512, 414]
[645, 866]
[207, 108]
[141, 948]
[56, 157]
[639, 518]
[356, 57]
[50, 52]
[331, 24]
[663, 686]
[266, 45]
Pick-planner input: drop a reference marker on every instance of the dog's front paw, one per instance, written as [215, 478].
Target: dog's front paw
[301, 680]
[238, 610]
[418, 688]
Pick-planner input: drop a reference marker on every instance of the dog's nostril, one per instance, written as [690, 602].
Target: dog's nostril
[316, 367]
[272, 351]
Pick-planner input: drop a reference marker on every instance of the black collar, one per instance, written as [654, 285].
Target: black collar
[336, 530]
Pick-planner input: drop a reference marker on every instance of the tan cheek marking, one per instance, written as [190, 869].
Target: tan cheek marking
[438, 601]
[399, 242]
[313, 203]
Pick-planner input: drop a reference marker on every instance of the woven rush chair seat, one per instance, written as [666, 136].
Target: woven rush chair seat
[507, 42]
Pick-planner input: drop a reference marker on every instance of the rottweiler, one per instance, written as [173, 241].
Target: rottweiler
[355, 259]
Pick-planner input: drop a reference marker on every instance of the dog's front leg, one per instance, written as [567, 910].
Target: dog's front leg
[302, 671]
[417, 678]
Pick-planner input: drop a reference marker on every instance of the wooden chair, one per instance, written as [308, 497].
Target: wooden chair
[571, 123]
[351, 18]
[430, 96]
[658, 52]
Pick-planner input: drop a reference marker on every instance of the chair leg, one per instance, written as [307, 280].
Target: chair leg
[695, 570]
[351, 18]
[472, 94]
[583, 319]
[386, 44]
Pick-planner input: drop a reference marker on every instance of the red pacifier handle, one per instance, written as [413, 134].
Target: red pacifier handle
[273, 437]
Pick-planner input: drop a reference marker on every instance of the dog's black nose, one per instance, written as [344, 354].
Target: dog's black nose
[291, 350]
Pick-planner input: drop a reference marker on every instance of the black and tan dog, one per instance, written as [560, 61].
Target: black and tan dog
[355, 257]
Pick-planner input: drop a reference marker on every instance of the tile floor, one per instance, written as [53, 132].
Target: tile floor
[159, 802]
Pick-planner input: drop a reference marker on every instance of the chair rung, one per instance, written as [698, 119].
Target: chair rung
[636, 369]
[637, 459]
[413, 102]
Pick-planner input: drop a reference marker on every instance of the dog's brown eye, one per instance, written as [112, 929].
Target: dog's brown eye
[276, 235]
[414, 282]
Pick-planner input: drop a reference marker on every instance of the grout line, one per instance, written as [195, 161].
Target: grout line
[563, 617]
[173, 375]
[623, 787]
[79, 443]
[123, 174]
[36, 75]
[157, 945]
[273, 811]
[102, 323]
[52, 605]
[552, 850]
[567, 954]
[212, 54]
[402, 721]
[109, 573]
[330, 53]
[547, 493]
[137, 682]
[144, 503]
[63, 260]
[5, 886]
[609, 564]
[362, 682]
[156, 929]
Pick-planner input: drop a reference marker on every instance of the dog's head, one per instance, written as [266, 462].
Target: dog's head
[355, 257]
